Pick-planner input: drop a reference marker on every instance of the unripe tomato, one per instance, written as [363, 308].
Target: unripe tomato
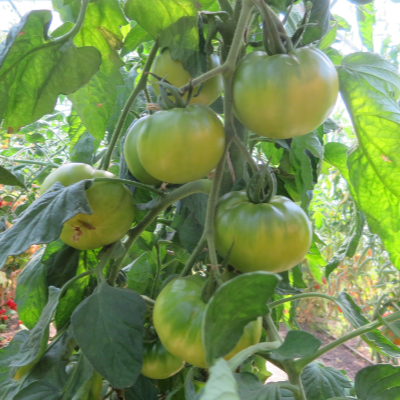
[178, 315]
[158, 363]
[132, 157]
[271, 237]
[178, 145]
[284, 95]
[174, 72]
[112, 205]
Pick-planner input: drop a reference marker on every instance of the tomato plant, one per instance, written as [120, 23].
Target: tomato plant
[251, 209]
[178, 145]
[111, 203]
[272, 236]
[178, 315]
[175, 73]
[158, 363]
[300, 88]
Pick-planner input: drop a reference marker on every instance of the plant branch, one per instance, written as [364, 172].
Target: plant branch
[128, 182]
[195, 254]
[300, 296]
[225, 5]
[159, 267]
[31, 162]
[125, 111]
[302, 362]
[245, 152]
[164, 201]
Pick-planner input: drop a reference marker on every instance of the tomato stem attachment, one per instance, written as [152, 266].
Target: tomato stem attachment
[256, 188]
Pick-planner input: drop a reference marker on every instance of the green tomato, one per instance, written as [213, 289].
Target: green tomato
[132, 157]
[158, 363]
[112, 205]
[178, 145]
[174, 72]
[271, 237]
[284, 95]
[178, 315]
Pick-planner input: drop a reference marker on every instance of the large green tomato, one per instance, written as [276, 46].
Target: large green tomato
[178, 145]
[158, 363]
[270, 237]
[178, 315]
[112, 205]
[284, 95]
[132, 157]
[174, 72]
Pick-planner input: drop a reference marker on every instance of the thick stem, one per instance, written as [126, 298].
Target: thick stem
[226, 6]
[159, 267]
[245, 152]
[124, 114]
[128, 182]
[200, 186]
[302, 362]
[195, 254]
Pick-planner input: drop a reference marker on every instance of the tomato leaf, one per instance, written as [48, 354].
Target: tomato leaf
[138, 273]
[306, 157]
[7, 178]
[236, 303]
[290, 348]
[221, 383]
[31, 293]
[336, 155]
[322, 382]
[43, 220]
[143, 389]
[366, 21]
[320, 15]
[375, 339]
[39, 390]
[36, 343]
[174, 24]
[378, 382]
[111, 319]
[101, 29]
[26, 94]
[9, 353]
[135, 37]
[349, 246]
[373, 163]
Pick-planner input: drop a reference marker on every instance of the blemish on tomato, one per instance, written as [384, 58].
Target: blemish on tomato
[21, 33]
[87, 226]
[99, 105]
[77, 233]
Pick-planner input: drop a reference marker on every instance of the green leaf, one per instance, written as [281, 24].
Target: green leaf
[322, 382]
[36, 343]
[7, 178]
[315, 262]
[375, 338]
[135, 37]
[336, 155]
[373, 163]
[378, 382]
[329, 38]
[111, 319]
[9, 353]
[349, 246]
[33, 72]
[43, 220]
[236, 303]
[39, 390]
[143, 389]
[31, 293]
[101, 29]
[174, 24]
[320, 15]
[221, 383]
[306, 157]
[366, 21]
[250, 388]
[290, 348]
[138, 273]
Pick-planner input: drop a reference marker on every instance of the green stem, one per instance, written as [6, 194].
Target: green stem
[225, 5]
[159, 267]
[58, 41]
[149, 301]
[128, 182]
[164, 201]
[302, 362]
[125, 111]
[193, 257]
[23, 161]
[245, 152]
[300, 296]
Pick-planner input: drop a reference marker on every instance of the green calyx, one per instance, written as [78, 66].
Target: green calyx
[262, 186]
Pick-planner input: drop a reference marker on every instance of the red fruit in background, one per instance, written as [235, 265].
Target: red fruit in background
[20, 322]
[2, 311]
[324, 280]
[4, 317]
[14, 307]
[316, 286]
[10, 303]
